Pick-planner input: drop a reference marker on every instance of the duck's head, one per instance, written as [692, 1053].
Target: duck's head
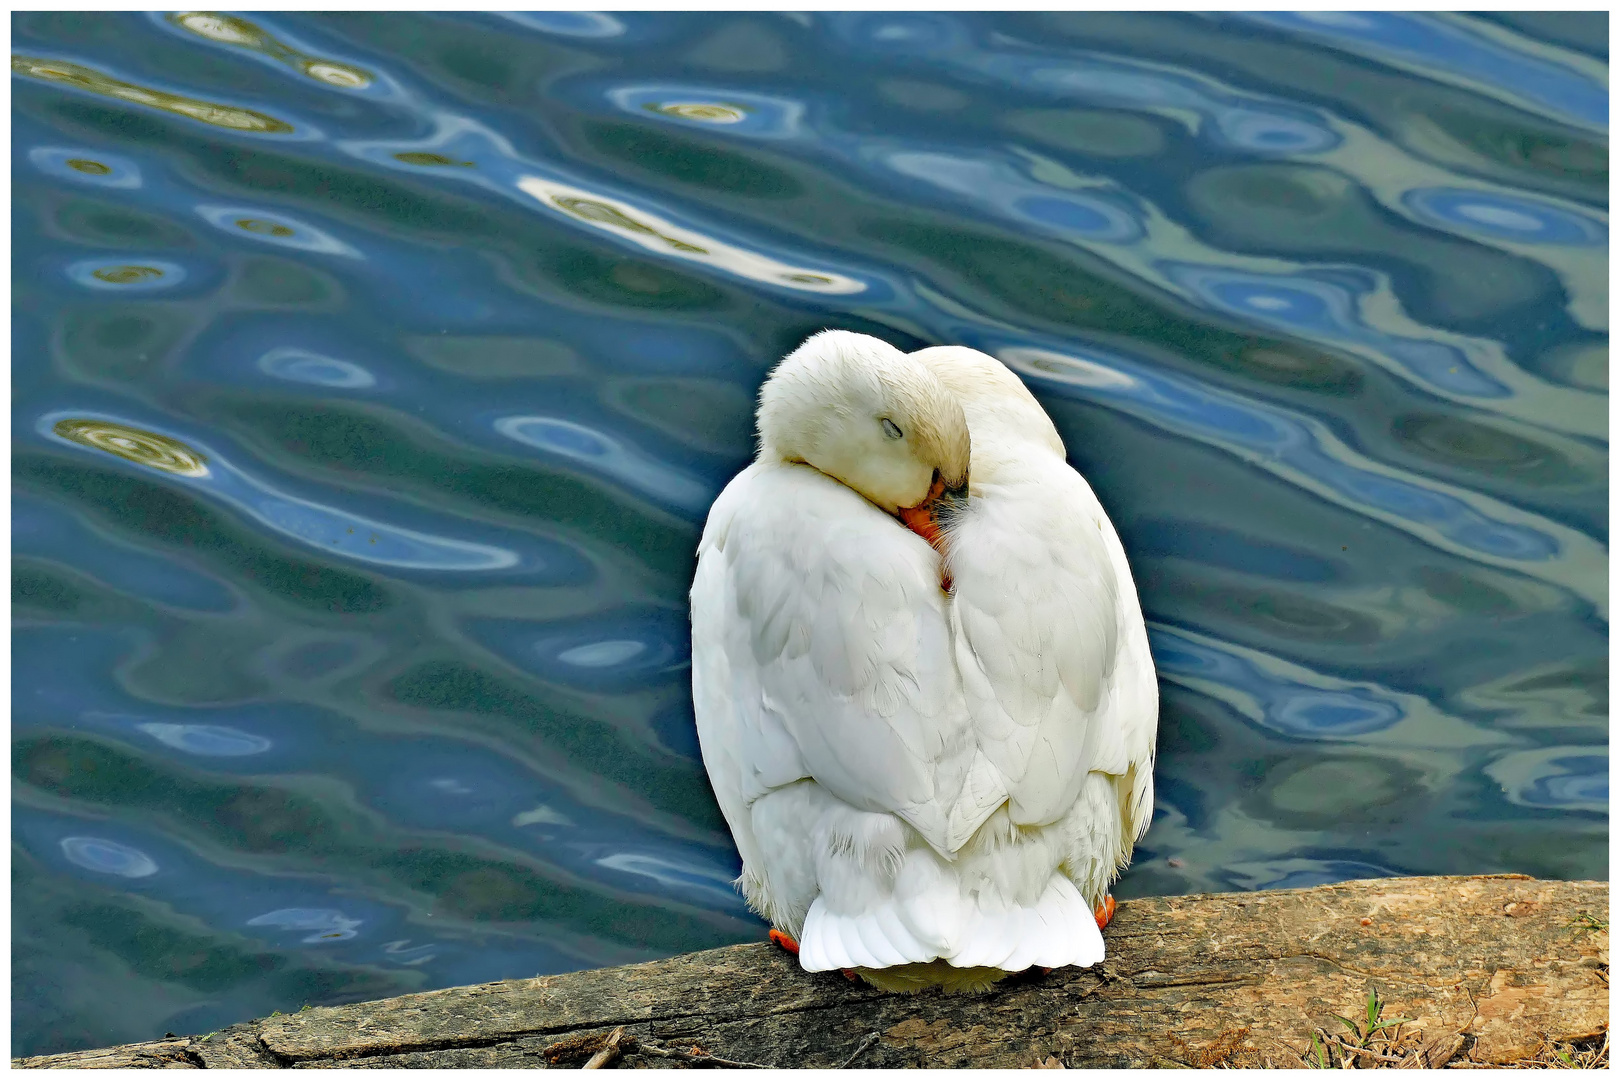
[872, 418]
[1003, 413]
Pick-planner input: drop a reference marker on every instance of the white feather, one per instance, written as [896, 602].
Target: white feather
[914, 776]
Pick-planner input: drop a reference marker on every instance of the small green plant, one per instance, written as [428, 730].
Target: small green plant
[1376, 1021]
[1585, 920]
[1377, 1037]
[1585, 1055]
[1319, 1052]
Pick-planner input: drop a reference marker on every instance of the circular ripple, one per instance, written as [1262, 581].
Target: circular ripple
[1325, 712]
[108, 857]
[142, 276]
[1555, 778]
[221, 28]
[563, 436]
[735, 112]
[328, 924]
[273, 228]
[301, 365]
[133, 444]
[86, 166]
[1268, 132]
[207, 740]
[334, 74]
[611, 652]
[1505, 217]
[707, 112]
[602, 654]
[1081, 215]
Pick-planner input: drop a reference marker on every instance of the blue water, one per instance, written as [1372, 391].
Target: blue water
[373, 376]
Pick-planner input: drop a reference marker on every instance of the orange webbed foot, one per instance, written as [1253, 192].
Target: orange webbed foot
[848, 974]
[785, 942]
[1105, 912]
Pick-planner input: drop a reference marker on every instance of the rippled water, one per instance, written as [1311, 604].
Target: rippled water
[373, 375]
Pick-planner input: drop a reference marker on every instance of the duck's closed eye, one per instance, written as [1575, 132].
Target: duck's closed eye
[891, 429]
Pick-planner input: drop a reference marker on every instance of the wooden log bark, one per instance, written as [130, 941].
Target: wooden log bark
[1487, 968]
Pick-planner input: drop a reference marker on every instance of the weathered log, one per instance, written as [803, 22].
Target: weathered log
[1488, 969]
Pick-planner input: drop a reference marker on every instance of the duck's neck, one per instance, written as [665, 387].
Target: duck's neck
[1004, 449]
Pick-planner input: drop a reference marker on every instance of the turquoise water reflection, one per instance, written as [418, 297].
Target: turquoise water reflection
[373, 376]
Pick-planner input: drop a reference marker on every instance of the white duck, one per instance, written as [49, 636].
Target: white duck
[925, 701]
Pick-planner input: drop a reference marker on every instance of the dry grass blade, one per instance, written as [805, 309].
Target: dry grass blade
[1584, 1054]
[866, 1043]
[609, 1052]
[708, 1061]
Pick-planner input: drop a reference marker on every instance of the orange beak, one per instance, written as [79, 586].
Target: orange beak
[924, 519]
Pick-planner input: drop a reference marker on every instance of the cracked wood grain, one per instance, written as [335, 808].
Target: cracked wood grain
[1502, 963]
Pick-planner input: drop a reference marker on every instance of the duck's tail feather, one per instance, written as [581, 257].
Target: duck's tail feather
[874, 938]
[1059, 930]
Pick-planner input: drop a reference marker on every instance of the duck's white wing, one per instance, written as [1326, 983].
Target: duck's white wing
[825, 652]
[1131, 721]
[1043, 619]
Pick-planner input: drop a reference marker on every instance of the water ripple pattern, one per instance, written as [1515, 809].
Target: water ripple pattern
[373, 376]
[329, 528]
